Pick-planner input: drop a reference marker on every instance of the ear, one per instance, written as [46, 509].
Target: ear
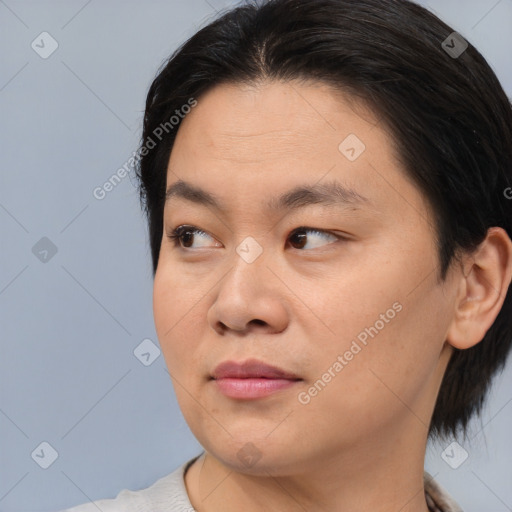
[483, 286]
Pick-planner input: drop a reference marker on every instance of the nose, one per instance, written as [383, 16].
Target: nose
[249, 299]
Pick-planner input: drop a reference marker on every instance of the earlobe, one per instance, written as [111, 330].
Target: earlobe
[483, 286]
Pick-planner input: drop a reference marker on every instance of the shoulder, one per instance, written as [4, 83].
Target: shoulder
[168, 491]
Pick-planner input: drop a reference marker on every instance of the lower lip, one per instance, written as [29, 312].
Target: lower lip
[252, 388]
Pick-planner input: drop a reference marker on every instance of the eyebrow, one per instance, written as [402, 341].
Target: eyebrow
[331, 193]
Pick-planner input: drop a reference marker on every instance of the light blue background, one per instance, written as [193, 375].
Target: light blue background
[69, 326]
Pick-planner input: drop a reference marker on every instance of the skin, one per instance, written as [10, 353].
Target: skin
[359, 444]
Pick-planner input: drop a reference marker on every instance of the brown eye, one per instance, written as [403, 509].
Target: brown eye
[185, 236]
[298, 239]
[303, 236]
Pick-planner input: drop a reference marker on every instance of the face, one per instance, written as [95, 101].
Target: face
[335, 284]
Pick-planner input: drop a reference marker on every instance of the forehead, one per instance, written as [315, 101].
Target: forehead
[273, 120]
[262, 140]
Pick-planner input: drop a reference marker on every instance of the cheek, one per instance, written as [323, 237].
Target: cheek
[389, 340]
[379, 382]
[178, 306]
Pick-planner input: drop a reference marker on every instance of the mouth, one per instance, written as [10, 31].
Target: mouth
[251, 379]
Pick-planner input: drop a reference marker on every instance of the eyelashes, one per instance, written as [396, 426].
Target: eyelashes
[177, 235]
[187, 234]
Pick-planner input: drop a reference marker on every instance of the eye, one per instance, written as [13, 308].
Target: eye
[185, 236]
[300, 237]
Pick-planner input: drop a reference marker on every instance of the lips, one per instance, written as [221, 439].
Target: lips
[251, 369]
[251, 380]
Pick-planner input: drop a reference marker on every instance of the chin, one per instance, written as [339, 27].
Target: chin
[258, 457]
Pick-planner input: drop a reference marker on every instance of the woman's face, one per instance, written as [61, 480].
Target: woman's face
[349, 304]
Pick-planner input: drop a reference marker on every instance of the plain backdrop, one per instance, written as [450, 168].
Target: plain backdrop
[75, 275]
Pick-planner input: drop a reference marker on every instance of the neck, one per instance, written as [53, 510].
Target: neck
[384, 474]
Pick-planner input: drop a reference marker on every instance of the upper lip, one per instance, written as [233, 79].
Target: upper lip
[251, 368]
